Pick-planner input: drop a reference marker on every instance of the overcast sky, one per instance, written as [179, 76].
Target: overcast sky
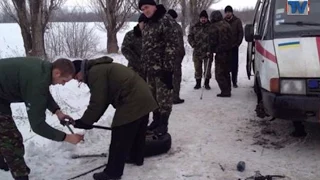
[236, 4]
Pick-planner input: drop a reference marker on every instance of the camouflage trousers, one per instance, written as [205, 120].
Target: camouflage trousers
[222, 72]
[177, 75]
[11, 147]
[162, 94]
[198, 62]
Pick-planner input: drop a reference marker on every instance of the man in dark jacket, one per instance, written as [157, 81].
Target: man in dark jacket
[199, 40]
[115, 84]
[221, 36]
[132, 46]
[160, 44]
[237, 37]
[177, 74]
[27, 80]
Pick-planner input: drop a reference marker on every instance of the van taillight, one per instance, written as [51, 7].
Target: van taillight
[275, 85]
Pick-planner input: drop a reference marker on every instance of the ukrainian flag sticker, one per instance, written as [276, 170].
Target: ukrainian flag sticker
[288, 45]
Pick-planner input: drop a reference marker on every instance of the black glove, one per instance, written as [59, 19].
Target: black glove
[167, 77]
[80, 125]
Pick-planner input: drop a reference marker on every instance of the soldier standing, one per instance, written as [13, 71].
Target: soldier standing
[198, 38]
[177, 66]
[221, 36]
[159, 52]
[132, 45]
[237, 31]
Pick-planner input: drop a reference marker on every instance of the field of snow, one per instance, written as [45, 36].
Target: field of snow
[210, 136]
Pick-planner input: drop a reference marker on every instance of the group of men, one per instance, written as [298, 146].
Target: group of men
[217, 38]
[154, 49]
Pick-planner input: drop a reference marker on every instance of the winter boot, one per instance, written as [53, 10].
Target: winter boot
[156, 121]
[103, 176]
[224, 95]
[198, 85]
[163, 128]
[3, 164]
[299, 130]
[206, 84]
[178, 101]
[22, 178]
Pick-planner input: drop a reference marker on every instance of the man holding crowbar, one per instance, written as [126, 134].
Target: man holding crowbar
[115, 84]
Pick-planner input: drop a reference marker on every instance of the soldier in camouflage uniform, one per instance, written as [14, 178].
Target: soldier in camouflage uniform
[159, 52]
[27, 80]
[221, 37]
[199, 40]
[177, 66]
[132, 45]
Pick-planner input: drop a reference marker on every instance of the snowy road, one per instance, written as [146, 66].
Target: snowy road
[207, 134]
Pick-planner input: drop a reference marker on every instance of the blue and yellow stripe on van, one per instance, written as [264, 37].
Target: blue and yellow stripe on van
[287, 45]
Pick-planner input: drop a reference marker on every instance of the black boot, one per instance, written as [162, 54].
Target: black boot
[198, 85]
[224, 95]
[22, 178]
[178, 101]
[156, 121]
[206, 84]
[3, 164]
[103, 176]
[299, 130]
[163, 128]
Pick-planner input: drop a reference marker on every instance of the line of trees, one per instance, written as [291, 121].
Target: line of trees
[34, 18]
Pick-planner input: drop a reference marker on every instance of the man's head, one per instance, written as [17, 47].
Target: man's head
[62, 71]
[173, 13]
[204, 16]
[141, 21]
[148, 7]
[228, 11]
[215, 16]
[78, 74]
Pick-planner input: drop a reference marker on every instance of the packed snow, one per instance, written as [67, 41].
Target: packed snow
[210, 136]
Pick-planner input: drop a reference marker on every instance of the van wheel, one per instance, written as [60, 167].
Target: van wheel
[157, 145]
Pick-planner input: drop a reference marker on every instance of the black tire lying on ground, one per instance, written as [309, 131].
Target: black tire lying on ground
[158, 146]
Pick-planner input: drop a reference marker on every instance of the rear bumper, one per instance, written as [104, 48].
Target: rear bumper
[291, 107]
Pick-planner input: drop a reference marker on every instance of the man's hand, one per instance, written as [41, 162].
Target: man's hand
[80, 125]
[74, 138]
[62, 117]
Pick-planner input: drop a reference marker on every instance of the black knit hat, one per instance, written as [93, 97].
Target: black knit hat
[77, 65]
[204, 14]
[228, 9]
[142, 18]
[144, 2]
[173, 13]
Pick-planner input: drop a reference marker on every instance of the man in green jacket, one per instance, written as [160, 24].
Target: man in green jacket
[27, 80]
[115, 84]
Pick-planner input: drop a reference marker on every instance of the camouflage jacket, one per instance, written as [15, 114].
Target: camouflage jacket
[237, 30]
[220, 34]
[131, 49]
[181, 50]
[199, 39]
[159, 42]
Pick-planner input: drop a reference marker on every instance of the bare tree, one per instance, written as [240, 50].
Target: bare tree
[32, 17]
[74, 39]
[114, 14]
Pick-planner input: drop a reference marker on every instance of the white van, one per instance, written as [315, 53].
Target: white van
[284, 53]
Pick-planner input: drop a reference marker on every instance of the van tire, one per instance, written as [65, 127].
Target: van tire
[158, 146]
